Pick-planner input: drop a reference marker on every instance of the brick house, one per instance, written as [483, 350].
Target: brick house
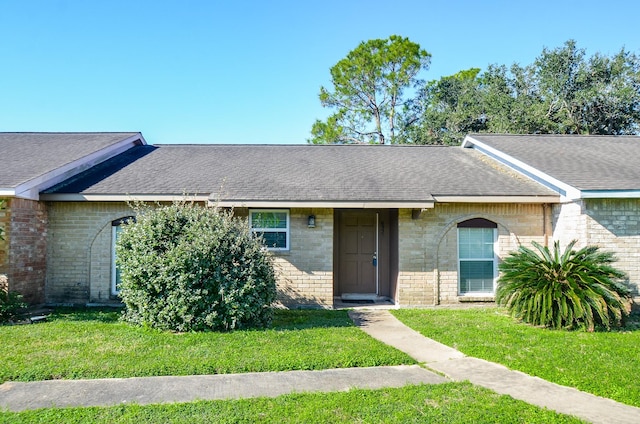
[419, 225]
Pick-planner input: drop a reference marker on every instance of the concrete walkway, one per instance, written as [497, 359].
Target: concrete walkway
[385, 327]
[380, 324]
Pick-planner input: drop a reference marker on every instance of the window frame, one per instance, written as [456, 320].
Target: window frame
[261, 230]
[480, 224]
[115, 227]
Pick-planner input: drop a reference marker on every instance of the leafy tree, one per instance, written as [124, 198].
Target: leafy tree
[368, 92]
[186, 267]
[570, 289]
[561, 92]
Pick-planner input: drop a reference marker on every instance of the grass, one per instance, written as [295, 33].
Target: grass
[602, 363]
[444, 403]
[77, 344]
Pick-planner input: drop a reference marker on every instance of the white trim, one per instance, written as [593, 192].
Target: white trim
[569, 191]
[497, 199]
[320, 204]
[77, 197]
[287, 230]
[610, 194]
[114, 267]
[30, 189]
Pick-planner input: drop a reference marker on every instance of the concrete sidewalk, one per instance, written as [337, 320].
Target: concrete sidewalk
[380, 324]
[383, 326]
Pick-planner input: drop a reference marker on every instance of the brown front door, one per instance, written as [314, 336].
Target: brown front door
[356, 251]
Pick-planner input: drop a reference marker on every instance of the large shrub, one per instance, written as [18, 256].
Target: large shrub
[186, 267]
[571, 289]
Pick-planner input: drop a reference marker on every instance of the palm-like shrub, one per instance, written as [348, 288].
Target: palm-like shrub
[571, 289]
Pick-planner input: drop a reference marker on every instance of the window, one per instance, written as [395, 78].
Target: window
[272, 225]
[115, 271]
[476, 256]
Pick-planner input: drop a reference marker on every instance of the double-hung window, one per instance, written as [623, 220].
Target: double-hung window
[272, 225]
[477, 260]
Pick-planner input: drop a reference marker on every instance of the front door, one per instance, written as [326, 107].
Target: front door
[357, 250]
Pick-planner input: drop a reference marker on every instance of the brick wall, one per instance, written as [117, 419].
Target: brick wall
[612, 224]
[23, 250]
[428, 267]
[79, 248]
[305, 272]
[80, 242]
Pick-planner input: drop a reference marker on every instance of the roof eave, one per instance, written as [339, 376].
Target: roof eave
[31, 189]
[529, 171]
[497, 199]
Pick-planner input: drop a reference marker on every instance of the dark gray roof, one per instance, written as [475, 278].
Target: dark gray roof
[26, 156]
[302, 173]
[585, 162]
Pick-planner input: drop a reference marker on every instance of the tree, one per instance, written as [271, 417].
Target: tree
[561, 92]
[368, 92]
[570, 289]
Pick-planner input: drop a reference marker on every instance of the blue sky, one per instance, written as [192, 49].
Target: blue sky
[250, 71]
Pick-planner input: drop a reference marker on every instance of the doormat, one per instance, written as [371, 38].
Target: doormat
[358, 301]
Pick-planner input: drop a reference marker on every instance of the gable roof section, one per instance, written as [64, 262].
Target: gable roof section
[576, 166]
[302, 175]
[32, 162]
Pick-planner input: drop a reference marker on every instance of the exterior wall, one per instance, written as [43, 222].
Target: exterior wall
[80, 245]
[305, 272]
[79, 248]
[23, 250]
[428, 247]
[612, 224]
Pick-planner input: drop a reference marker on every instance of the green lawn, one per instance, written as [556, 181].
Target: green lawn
[602, 363]
[94, 344]
[444, 403]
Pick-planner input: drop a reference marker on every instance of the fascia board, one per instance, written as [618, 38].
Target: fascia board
[498, 199]
[610, 194]
[79, 197]
[321, 204]
[535, 174]
[71, 169]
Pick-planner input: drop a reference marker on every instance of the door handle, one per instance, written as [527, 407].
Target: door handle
[375, 259]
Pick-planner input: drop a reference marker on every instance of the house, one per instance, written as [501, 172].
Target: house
[419, 225]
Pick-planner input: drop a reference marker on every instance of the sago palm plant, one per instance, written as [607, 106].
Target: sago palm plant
[571, 289]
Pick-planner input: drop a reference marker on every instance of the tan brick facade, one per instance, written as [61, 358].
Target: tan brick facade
[612, 224]
[80, 240]
[80, 246]
[305, 272]
[23, 250]
[428, 256]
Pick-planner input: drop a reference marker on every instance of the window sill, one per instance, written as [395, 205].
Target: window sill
[477, 298]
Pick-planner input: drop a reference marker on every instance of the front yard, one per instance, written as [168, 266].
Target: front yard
[77, 344]
[94, 344]
[602, 363]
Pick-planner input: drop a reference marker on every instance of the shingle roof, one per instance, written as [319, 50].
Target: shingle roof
[302, 173]
[584, 162]
[26, 156]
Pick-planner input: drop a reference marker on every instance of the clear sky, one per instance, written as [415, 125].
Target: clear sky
[210, 71]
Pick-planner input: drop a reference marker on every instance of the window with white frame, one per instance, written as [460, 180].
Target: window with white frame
[272, 225]
[116, 228]
[477, 260]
